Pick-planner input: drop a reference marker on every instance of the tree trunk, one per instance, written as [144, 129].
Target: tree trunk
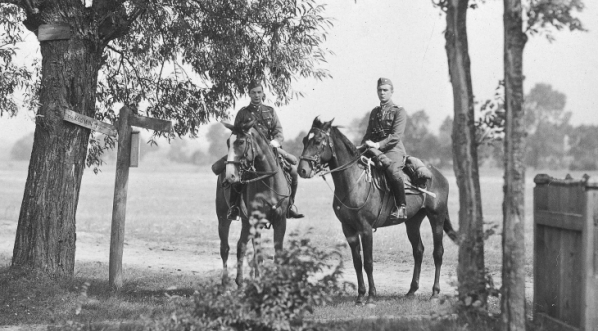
[45, 238]
[471, 271]
[513, 273]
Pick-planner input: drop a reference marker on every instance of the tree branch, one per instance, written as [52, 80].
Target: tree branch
[17, 3]
[119, 28]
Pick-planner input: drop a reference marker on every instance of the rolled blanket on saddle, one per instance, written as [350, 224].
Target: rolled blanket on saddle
[219, 166]
[415, 168]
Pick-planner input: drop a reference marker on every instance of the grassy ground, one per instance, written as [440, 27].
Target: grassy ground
[173, 205]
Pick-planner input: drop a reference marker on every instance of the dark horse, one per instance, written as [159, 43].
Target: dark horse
[359, 204]
[252, 162]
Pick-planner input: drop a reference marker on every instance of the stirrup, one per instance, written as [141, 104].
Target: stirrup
[233, 213]
[399, 213]
[291, 213]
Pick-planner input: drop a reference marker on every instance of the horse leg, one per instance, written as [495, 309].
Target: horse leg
[353, 240]
[223, 229]
[437, 224]
[367, 241]
[257, 251]
[279, 228]
[241, 250]
[417, 245]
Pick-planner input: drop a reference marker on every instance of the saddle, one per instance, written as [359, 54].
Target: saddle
[415, 173]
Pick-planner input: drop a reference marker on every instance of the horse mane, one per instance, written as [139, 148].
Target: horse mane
[348, 144]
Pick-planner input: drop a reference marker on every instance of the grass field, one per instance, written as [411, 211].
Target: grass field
[172, 205]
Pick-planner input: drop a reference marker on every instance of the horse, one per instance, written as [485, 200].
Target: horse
[252, 162]
[360, 206]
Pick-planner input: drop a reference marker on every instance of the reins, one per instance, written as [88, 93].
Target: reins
[316, 160]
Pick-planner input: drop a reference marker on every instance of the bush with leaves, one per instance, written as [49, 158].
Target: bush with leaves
[301, 277]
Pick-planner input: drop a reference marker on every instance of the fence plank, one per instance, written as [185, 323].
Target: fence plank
[559, 220]
[569, 303]
[566, 253]
[589, 314]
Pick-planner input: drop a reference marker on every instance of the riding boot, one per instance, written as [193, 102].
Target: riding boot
[291, 213]
[398, 188]
[234, 211]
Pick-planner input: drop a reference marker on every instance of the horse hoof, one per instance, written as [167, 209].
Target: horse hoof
[370, 305]
[434, 299]
[359, 302]
[410, 294]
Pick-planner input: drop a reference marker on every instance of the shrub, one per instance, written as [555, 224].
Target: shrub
[301, 277]
[21, 150]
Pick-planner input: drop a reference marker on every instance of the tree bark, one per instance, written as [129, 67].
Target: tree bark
[471, 270]
[513, 273]
[45, 238]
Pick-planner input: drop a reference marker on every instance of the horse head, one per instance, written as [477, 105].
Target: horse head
[318, 149]
[241, 150]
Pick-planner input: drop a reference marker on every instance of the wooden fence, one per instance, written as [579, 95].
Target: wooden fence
[566, 253]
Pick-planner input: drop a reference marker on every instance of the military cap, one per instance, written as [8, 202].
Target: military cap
[384, 81]
[254, 84]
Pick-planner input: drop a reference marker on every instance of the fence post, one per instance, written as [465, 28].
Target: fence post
[589, 314]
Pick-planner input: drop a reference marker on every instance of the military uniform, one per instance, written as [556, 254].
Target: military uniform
[386, 128]
[267, 123]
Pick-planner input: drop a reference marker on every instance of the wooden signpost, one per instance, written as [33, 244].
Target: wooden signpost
[127, 156]
[90, 123]
[123, 162]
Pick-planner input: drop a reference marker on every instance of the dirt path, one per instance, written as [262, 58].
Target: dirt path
[391, 278]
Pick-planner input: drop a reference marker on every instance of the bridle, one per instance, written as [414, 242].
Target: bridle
[315, 161]
[247, 166]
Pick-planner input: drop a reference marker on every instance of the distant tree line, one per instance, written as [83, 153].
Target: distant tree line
[552, 142]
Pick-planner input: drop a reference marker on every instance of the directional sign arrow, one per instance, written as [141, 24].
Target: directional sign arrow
[90, 123]
[150, 123]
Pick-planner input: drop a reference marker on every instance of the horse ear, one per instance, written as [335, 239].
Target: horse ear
[247, 125]
[228, 126]
[317, 123]
[327, 125]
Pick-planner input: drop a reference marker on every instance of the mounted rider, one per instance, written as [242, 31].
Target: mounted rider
[385, 131]
[267, 123]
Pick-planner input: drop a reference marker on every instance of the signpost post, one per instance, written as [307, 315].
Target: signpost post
[127, 156]
[119, 207]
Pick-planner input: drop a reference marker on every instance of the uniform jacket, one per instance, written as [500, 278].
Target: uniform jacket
[387, 127]
[266, 120]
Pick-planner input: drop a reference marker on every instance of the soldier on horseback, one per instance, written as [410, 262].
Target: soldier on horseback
[385, 131]
[267, 123]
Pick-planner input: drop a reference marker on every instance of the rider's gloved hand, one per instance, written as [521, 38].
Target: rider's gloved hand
[372, 144]
[275, 143]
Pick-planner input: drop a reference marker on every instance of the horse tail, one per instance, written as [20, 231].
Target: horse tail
[448, 228]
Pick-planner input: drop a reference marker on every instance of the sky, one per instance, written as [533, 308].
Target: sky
[403, 40]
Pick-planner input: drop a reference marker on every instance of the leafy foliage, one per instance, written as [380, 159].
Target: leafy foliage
[543, 15]
[12, 77]
[583, 143]
[547, 124]
[301, 277]
[189, 60]
[186, 61]
[21, 150]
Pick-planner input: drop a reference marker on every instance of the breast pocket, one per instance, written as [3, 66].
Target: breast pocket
[267, 118]
[387, 122]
